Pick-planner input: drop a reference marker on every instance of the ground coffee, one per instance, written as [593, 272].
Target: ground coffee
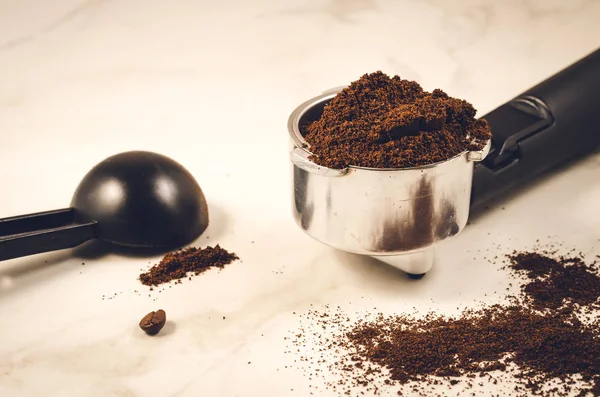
[542, 347]
[384, 122]
[185, 263]
[557, 282]
[548, 341]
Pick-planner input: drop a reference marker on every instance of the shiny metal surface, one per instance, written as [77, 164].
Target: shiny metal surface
[386, 213]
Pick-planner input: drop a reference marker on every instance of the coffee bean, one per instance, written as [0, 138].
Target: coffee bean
[153, 322]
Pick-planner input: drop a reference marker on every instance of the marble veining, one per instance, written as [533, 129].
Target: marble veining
[61, 20]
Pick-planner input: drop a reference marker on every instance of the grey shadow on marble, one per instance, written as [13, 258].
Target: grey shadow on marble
[219, 223]
[22, 266]
[370, 271]
[20, 273]
[167, 330]
[523, 189]
[97, 249]
[39, 268]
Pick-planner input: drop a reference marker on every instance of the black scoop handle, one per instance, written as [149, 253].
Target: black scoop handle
[42, 232]
[547, 125]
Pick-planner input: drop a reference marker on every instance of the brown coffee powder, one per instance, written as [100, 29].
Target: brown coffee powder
[543, 347]
[557, 282]
[187, 262]
[383, 122]
[548, 345]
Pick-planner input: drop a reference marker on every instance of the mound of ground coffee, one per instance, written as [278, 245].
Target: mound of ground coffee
[187, 262]
[557, 282]
[548, 342]
[542, 347]
[383, 122]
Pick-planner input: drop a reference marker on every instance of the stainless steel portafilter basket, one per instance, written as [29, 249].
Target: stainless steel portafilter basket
[398, 216]
[395, 215]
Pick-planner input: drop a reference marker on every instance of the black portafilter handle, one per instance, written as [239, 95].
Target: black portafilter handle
[549, 124]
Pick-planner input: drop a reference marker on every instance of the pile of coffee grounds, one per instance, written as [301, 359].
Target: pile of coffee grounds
[557, 282]
[534, 344]
[185, 263]
[383, 122]
[542, 347]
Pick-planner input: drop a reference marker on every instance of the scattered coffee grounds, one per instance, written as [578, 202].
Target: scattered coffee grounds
[542, 347]
[535, 345]
[383, 122]
[185, 263]
[153, 322]
[557, 282]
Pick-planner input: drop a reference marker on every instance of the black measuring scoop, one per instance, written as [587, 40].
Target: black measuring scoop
[133, 199]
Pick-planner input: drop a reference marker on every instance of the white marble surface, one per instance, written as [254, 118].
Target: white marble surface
[211, 84]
